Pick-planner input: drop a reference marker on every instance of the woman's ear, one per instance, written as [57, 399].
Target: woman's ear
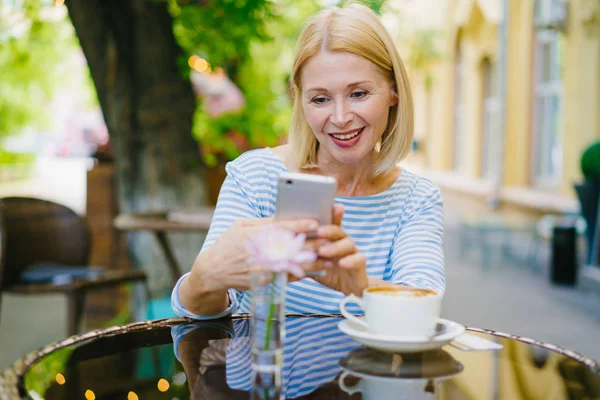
[393, 98]
[393, 94]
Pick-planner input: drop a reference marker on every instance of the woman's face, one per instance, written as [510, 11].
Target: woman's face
[346, 101]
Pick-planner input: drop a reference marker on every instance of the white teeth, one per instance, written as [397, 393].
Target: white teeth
[348, 136]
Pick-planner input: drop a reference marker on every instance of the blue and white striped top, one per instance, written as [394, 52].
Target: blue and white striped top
[399, 231]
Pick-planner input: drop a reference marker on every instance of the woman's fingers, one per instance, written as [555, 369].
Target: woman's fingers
[331, 232]
[318, 265]
[353, 261]
[314, 244]
[304, 225]
[338, 213]
[300, 225]
[338, 249]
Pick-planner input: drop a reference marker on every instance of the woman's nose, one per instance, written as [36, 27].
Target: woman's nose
[341, 115]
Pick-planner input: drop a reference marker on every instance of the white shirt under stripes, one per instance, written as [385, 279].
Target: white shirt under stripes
[399, 230]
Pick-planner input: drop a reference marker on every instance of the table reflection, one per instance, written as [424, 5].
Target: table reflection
[383, 376]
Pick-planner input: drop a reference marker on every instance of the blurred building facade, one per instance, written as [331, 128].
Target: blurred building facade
[528, 151]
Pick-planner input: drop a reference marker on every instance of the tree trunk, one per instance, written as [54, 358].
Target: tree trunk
[148, 108]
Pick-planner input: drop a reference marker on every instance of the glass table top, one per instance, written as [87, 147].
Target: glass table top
[212, 360]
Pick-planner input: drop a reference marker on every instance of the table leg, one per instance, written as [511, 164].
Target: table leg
[115, 250]
[161, 236]
[76, 305]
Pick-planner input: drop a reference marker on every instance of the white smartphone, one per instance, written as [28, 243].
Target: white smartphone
[305, 196]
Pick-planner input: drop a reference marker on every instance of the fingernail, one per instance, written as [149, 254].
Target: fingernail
[313, 225]
[328, 264]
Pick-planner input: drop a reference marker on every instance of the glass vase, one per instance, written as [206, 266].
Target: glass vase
[268, 332]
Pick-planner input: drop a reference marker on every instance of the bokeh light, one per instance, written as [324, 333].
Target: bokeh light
[132, 396]
[192, 60]
[60, 379]
[163, 385]
[201, 65]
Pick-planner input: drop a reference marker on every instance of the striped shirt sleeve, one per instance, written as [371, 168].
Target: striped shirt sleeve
[236, 201]
[417, 256]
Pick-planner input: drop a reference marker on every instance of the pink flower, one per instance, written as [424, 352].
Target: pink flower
[279, 249]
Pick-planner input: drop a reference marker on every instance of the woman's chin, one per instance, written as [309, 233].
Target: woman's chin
[350, 157]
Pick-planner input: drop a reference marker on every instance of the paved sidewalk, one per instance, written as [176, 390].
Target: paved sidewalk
[514, 299]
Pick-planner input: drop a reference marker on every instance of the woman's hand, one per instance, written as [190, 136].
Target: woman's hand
[346, 267]
[224, 265]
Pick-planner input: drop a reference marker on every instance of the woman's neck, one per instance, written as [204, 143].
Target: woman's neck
[353, 180]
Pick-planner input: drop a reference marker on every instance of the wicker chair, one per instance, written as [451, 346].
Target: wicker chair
[45, 248]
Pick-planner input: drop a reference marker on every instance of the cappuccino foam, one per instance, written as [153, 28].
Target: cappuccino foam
[401, 291]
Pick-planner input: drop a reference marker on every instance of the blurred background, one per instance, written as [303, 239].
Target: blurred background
[117, 109]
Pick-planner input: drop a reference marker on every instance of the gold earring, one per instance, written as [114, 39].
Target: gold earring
[378, 146]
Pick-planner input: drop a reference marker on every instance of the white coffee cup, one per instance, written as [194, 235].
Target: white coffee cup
[397, 311]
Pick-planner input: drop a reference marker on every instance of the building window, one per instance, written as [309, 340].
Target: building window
[459, 113]
[491, 123]
[551, 14]
[547, 103]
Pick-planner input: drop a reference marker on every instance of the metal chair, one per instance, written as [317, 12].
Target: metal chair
[45, 248]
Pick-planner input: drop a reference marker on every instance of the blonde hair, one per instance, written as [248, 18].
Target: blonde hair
[353, 29]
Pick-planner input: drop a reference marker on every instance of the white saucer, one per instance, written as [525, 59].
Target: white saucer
[362, 375]
[446, 332]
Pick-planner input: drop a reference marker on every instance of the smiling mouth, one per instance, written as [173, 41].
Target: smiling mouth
[347, 136]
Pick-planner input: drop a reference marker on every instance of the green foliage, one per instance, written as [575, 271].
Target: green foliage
[35, 41]
[590, 162]
[264, 119]
[221, 31]
[14, 166]
[16, 158]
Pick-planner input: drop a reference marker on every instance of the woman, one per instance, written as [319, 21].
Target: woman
[352, 120]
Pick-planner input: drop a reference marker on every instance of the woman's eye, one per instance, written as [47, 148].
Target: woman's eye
[319, 100]
[358, 95]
